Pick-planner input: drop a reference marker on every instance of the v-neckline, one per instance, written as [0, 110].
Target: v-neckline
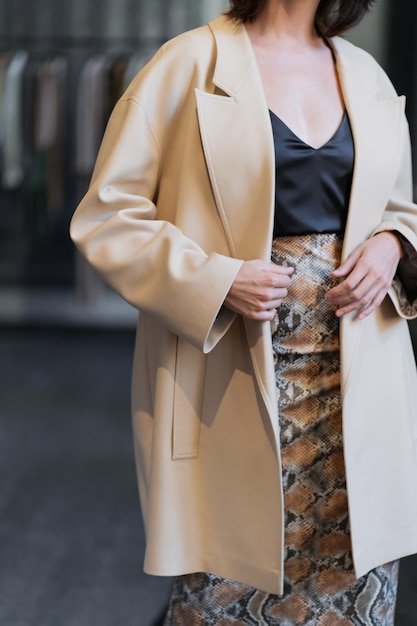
[322, 146]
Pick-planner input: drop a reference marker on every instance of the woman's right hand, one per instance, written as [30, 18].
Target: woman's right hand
[258, 289]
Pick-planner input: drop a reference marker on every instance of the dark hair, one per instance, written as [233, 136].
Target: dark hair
[333, 17]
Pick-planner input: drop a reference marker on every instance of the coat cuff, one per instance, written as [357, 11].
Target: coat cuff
[404, 284]
[407, 270]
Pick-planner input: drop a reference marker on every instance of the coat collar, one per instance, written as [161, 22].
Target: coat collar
[235, 61]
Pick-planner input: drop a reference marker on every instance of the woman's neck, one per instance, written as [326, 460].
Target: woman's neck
[289, 21]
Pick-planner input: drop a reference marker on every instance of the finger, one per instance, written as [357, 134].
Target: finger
[264, 310]
[283, 282]
[372, 282]
[262, 316]
[365, 290]
[364, 304]
[273, 300]
[366, 310]
[338, 294]
[281, 269]
[273, 304]
[351, 308]
[348, 264]
[356, 305]
[372, 306]
[275, 281]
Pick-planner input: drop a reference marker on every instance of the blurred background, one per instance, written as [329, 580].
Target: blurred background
[71, 538]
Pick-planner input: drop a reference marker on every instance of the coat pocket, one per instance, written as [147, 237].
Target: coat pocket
[188, 394]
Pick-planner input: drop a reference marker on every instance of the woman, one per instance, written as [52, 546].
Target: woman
[260, 137]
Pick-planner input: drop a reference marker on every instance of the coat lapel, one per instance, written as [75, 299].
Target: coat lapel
[235, 121]
[376, 128]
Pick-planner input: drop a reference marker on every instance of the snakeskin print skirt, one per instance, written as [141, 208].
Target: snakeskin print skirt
[320, 588]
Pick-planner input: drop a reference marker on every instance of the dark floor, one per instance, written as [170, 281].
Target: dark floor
[71, 539]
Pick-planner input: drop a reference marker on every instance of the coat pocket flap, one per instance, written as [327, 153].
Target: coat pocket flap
[188, 394]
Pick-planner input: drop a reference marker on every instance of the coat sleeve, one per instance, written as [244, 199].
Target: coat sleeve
[400, 215]
[149, 261]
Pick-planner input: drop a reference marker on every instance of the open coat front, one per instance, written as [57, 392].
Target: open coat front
[182, 193]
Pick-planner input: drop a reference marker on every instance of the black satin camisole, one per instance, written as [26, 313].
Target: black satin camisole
[312, 188]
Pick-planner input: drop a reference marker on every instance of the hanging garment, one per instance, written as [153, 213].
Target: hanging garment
[116, 77]
[90, 113]
[91, 116]
[4, 61]
[12, 122]
[50, 112]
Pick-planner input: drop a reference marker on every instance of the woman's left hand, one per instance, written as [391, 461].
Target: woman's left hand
[366, 275]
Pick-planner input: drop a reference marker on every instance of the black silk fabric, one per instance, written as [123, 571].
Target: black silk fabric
[312, 184]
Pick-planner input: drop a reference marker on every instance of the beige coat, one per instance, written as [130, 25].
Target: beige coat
[183, 191]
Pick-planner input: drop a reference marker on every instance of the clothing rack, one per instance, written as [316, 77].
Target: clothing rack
[41, 277]
[69, 42]
[54, 172]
